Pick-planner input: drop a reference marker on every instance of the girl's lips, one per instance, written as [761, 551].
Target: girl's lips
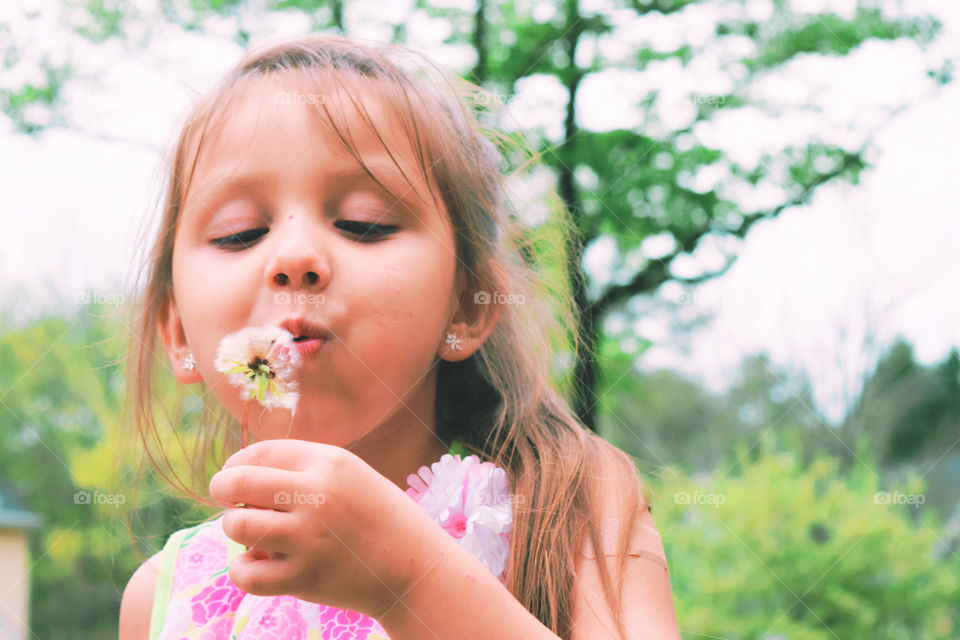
[309, 346]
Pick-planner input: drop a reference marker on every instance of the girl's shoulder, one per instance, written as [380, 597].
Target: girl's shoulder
[205, 539]
[202, 548]
[180, 538]
[191, 557]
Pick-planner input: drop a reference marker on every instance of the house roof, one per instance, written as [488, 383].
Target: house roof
[13, 515]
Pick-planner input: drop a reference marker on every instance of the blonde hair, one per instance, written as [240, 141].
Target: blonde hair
[500, 402]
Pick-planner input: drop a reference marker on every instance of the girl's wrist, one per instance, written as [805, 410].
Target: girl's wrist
[436, 553]
[444, 601]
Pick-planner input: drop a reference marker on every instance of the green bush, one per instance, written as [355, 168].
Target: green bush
[768, 547]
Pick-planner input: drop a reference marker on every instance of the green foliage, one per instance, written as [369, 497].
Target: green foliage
[307, 6]
[683, 53]
[637, 192]
[788, 35]
[777, 525]
[773, 548]
[663, 416]
[660, 6]
[214, 6]
[15, 102]
[535, 47]
[913, 410]
[106, 18]
[64, 451]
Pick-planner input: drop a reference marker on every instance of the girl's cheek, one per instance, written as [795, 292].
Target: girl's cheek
[388, 317]
[391, 281]
[389, 308]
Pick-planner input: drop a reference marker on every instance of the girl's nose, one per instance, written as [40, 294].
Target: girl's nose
[281, 278]
[297, 261]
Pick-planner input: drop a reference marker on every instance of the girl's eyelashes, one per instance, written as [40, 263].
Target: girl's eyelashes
[240, 240]
[363, 231]
[366, 229]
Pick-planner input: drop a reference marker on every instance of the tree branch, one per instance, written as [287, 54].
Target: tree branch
[658, 271]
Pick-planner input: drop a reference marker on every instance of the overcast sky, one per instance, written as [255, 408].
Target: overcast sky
[876, 259]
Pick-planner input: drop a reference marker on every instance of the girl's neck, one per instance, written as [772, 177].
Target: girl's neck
[397, 453]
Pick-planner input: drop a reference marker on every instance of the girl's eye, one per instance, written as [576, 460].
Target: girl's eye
[367, 230]
[239, 240]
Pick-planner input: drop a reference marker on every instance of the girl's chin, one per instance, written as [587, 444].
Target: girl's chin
[279, 424]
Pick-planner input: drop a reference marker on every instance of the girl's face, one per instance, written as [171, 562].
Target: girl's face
[280, 222]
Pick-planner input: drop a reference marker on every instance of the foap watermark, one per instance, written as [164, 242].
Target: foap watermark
[97, 497]
[99, 297]
[895, 497]
[496, 297]
[698, 299]
[299, 298]
[686, 497]
[298, 97]
[493, 97]
[497, 500]
[296, 497]
[703, 98]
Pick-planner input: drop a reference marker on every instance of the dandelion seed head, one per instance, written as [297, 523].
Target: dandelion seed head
[262, 363]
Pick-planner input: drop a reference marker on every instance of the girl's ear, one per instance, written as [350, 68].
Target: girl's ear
[473, 321]
[175, 343]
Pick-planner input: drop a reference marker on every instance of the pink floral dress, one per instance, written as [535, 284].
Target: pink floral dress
[195, 599]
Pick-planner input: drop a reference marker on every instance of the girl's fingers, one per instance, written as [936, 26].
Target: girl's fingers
[271, 576]
[261, 529]
[261, 487]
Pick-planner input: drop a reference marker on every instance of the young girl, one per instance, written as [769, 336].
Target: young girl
[353, 198]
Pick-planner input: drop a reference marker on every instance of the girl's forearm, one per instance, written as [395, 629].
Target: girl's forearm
[458, 597]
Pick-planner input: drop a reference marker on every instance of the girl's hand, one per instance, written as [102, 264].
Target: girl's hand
[323, 526]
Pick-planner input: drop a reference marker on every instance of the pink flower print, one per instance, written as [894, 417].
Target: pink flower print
[281, 620]
[341, 624]
[217, 631]
[204, 556]
[218, 599]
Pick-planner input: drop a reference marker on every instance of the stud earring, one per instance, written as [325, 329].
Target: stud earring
[453, 341]
[189, 363]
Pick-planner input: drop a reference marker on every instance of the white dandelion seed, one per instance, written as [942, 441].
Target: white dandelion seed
[262, 362]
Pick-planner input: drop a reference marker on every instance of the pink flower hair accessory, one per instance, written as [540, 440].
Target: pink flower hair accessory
[471, 500]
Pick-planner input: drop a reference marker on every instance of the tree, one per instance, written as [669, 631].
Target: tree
[665, 420]
[642, 176]
[914, 411]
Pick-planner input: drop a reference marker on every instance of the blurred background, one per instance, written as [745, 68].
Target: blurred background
[767, 195]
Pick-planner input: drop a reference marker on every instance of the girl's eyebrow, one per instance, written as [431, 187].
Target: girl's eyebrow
[231, 183]
[386, 172]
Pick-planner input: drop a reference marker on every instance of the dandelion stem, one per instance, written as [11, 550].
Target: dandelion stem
[246, 412]
[243, 443]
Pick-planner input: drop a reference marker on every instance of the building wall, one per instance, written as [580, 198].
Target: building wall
[14, 582]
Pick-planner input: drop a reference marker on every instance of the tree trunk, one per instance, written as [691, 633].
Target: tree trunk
[585, 366]
[337, 7]
[480, 43]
